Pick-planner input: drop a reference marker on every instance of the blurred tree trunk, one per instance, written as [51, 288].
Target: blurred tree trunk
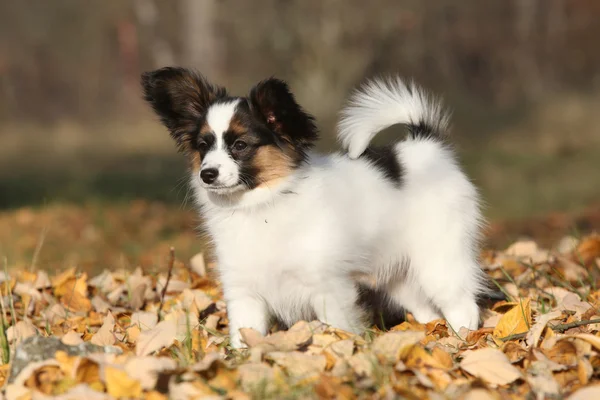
[526, 55]
[201, 47]
[146, 12]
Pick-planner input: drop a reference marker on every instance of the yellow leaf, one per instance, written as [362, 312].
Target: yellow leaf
[120, 385]
[517, 320]
[418, 357]
[154, 395]
[66, 362]
[63, 277]
[45, 378]
[74, 301]
[88, 372]
[26, 276]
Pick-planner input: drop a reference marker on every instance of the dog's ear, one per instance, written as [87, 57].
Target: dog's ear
[274, 104]
[180, 97]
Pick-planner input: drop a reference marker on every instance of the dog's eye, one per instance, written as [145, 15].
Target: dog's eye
[202, 145]
[239, 145]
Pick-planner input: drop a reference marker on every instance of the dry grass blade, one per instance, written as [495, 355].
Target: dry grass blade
[164, 289]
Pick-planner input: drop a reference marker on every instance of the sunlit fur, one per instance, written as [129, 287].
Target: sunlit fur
[403, 219]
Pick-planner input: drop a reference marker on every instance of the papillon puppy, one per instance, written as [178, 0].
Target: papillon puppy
[297, 233]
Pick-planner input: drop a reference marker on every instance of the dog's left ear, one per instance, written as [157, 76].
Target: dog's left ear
[274, 104]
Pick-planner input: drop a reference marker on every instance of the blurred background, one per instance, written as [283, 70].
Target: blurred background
[522, 78]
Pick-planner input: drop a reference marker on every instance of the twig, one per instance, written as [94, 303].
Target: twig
[564, 327]
[169, 273]
[556, 328]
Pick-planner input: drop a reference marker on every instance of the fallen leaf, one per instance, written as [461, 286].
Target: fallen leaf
[120, 384]
[586, 393]
[20, 331]
[588, 250]
[391, 346]
[105, 335]
[197, 264]
[491, 365]
[517, 320]
[72, 338]
[162, 335]
[146, 369]
[144, 320]
[593, 340]
[534, 334]
[63, 277]
[299, 365]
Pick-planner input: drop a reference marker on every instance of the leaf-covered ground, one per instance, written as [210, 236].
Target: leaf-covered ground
[99, 276]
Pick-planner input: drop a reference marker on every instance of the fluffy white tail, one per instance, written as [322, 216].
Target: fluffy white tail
[379, 104]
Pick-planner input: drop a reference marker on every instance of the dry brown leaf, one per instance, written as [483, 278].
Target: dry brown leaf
[146, 369]
[162, 335]
[72, 338]
[586, 393]
[88, 371]
[491, 365]
[144, 320]
[481, 394]
[257, 375]
[564, 352]
[63, 277]
[517, 320]
[299, 365]
[363, 363]
[197, 264]
[342, 348]
[592, 339]
[119, 384]
[534, 334]
[100, 305]
[541, 380]
[514, 352]
[392, 346]
[20, 331]
[197, 297]
[105, 335]
[588, 250]
[76, 302]
[138, 296]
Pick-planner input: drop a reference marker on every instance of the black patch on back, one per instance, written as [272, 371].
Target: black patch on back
[385, 159]
[422, 130]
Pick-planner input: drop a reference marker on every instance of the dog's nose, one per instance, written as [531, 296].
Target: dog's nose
[209, 175]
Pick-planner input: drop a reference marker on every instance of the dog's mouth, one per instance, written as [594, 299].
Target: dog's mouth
[224, 190]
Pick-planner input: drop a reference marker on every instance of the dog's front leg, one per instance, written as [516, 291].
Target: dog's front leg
[338, 307]
[245, 311]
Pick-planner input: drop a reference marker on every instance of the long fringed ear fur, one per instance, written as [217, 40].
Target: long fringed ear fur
[180, 97]
[273, 103]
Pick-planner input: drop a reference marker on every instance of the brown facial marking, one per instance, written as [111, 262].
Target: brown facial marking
[205, 129]
[195, 161]
[272, 164]
[236, 125]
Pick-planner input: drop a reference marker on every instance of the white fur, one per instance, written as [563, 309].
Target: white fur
[380, 104]
[218, 118]
[297, 249]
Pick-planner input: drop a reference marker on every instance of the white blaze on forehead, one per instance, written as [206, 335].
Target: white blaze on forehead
[218, 118]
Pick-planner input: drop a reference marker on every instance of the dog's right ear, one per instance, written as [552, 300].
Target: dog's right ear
[180, 97]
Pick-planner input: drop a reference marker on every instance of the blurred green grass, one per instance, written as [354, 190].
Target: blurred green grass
[527, 162]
